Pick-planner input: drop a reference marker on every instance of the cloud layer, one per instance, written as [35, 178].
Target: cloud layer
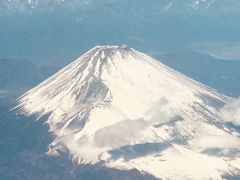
[220, 50]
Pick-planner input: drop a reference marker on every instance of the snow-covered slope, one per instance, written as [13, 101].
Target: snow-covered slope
[118, 107]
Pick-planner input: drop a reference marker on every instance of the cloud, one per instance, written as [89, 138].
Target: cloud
[231, 112]
[221, 140]
[160, 112]
[216, 139]
[119, 133]
[220, 50]
[129, 130]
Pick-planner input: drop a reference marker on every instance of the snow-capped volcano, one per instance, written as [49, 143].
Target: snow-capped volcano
[120, 108]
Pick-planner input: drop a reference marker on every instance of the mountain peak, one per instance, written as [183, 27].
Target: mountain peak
[111, 47]
[104, 52]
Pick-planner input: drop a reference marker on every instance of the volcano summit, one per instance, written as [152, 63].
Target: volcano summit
[117, 107]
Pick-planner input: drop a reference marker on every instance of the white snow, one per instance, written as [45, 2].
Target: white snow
[120, 106]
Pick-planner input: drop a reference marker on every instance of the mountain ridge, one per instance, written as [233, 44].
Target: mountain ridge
[31, 7]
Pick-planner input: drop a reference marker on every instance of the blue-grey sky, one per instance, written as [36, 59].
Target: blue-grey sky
[49, 32]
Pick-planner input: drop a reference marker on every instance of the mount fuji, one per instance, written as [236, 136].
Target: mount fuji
[119, 108]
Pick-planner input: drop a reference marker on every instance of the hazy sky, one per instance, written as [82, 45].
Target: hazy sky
[50, 31]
